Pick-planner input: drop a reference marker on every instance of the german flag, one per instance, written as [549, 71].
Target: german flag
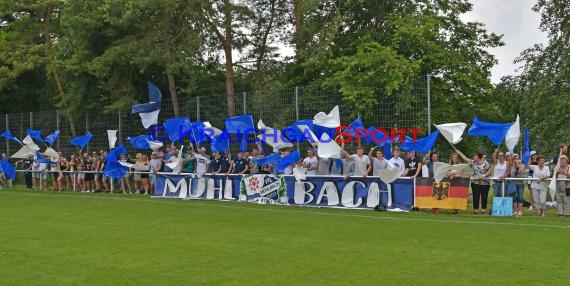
[443, 195]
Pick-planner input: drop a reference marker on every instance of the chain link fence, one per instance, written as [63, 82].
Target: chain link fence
[278, 107]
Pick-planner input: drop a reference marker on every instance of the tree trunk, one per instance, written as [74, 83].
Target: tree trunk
[56, 75]
[227, 44]
[173, 94]
[298, 13]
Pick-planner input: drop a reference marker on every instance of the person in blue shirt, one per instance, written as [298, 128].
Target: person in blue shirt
[240, 164]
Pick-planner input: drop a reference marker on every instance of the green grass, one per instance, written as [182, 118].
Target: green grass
[49, 238]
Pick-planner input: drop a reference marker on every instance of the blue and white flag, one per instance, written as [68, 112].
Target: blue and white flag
[526, 151]
[496, 132]
[421, 145]
[8, 135]
[114, 154]
[35, 134]
[82, 141]
[177, 128]
[8, 169]
[286, 161]
[240, 124]
[294, 133]
[140, 142]
[52, 137]
[149, 111]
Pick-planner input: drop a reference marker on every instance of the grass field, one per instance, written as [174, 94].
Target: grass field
[49, 238]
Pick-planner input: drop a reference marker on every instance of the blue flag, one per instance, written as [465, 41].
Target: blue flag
[115, 170]
[221, 142]
[239, 124]
[526, 152]
[177, 127]
[388, 150]
[271, 159]
[42, 159]
[140, 142]
[243, 143]
[8, 169]
[377, 137]
[356, 124]
[320, 130]
[35, 134]
[293, 133]
[154, 98]
[421, 145]
[198, 132]
[82, 141]
[8, 135]
[286, 161]
[114, 154]
[496, 132]
[52, 137]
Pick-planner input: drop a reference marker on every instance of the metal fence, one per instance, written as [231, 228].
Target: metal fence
[278, 107]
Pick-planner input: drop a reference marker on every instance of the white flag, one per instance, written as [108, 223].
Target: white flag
[441, 170]
[452, 132]
[272, 136]
[328, 148]
[149, 118]
[24, 153]
[388, 176]
[28, 141]
[513, 135]
[52, 153]
[154, 144]
[331, 120]
[312, 137]
[112, 137]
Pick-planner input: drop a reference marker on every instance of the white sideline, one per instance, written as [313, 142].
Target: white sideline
[196, 203]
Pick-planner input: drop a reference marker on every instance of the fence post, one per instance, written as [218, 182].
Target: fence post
[87, 127]
[297, 111]
[198, 108]
[429, 102]
[120, 129]
[31, 120]
[7, 141]
[244, 102]
[57, 122]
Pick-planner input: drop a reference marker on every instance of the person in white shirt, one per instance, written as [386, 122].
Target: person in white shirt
[362, 163]
[539, 186]
[155, 164]
[500, 172]
[43, 171]
[311, 163]
[202, 161]
[398, 162]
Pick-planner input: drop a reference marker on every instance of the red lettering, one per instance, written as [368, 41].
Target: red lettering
[399, 133]
[344, 136]
[414, 132]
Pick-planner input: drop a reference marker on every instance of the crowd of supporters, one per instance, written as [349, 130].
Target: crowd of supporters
[84, 171]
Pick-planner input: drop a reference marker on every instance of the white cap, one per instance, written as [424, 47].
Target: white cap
[532, 152]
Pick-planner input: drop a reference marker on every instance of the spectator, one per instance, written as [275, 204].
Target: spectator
[89, 176]
[534, 162]
[225, 163]
[188, 161]
[413, 165]
[311, 162]
[398, 162]
[125, 184]
[517, 170]
[240, 164]
[479, 183]
[562, 188]
[429, 160]
[500, 172]
[378, 161]
[454, 174]
[154, 166]
[61, 173]
[216, 165]
[202, 161]
[362, 164]
[539, 185]
[167, 158]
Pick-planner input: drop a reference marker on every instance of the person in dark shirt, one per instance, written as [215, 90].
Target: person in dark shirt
[27, 165]
[216, 164]
[413, 164]
[225, 163]
[240, 164]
